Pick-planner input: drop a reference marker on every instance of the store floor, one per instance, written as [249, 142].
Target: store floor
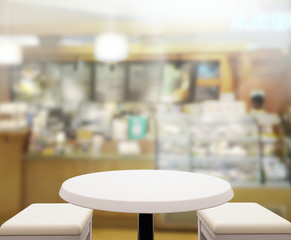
[131, 234]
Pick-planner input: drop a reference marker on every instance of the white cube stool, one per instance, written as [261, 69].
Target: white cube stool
[44, 221]
[242, 221]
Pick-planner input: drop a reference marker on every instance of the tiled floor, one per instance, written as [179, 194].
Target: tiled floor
[131, 234]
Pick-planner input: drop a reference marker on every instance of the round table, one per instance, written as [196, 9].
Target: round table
[146, 192]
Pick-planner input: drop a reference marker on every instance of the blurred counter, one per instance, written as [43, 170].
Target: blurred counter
[33, 178]
[12, 147]
[44, 175]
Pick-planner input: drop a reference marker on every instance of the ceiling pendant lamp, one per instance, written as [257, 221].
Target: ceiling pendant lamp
[10, 52]
[111, 47]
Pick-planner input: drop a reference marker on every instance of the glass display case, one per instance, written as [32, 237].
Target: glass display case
[227, 147]
[173, 142]
[274, 145]
[230, 146]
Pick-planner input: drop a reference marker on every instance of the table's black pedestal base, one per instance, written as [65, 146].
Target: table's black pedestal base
[145, 226]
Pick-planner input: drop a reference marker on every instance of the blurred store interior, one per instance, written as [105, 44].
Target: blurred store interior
[95, 85]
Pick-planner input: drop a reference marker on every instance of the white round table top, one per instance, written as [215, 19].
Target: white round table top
[146, 191]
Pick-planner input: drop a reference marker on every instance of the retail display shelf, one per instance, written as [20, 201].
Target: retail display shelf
[254, 184]
[207, 139]
[229, 139]
[277, 184]
[174, 136]
[109, 157]
[245, 184]
[269, 139]
[225, 159]
[15, 131]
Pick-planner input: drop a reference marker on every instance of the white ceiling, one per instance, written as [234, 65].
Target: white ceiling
[169, 20]
[161, 10]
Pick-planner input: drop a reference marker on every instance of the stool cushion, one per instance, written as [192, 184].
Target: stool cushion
[48, 219]
[244, 218]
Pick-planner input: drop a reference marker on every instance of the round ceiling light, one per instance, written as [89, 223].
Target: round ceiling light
[10, 52]
[111, 47]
